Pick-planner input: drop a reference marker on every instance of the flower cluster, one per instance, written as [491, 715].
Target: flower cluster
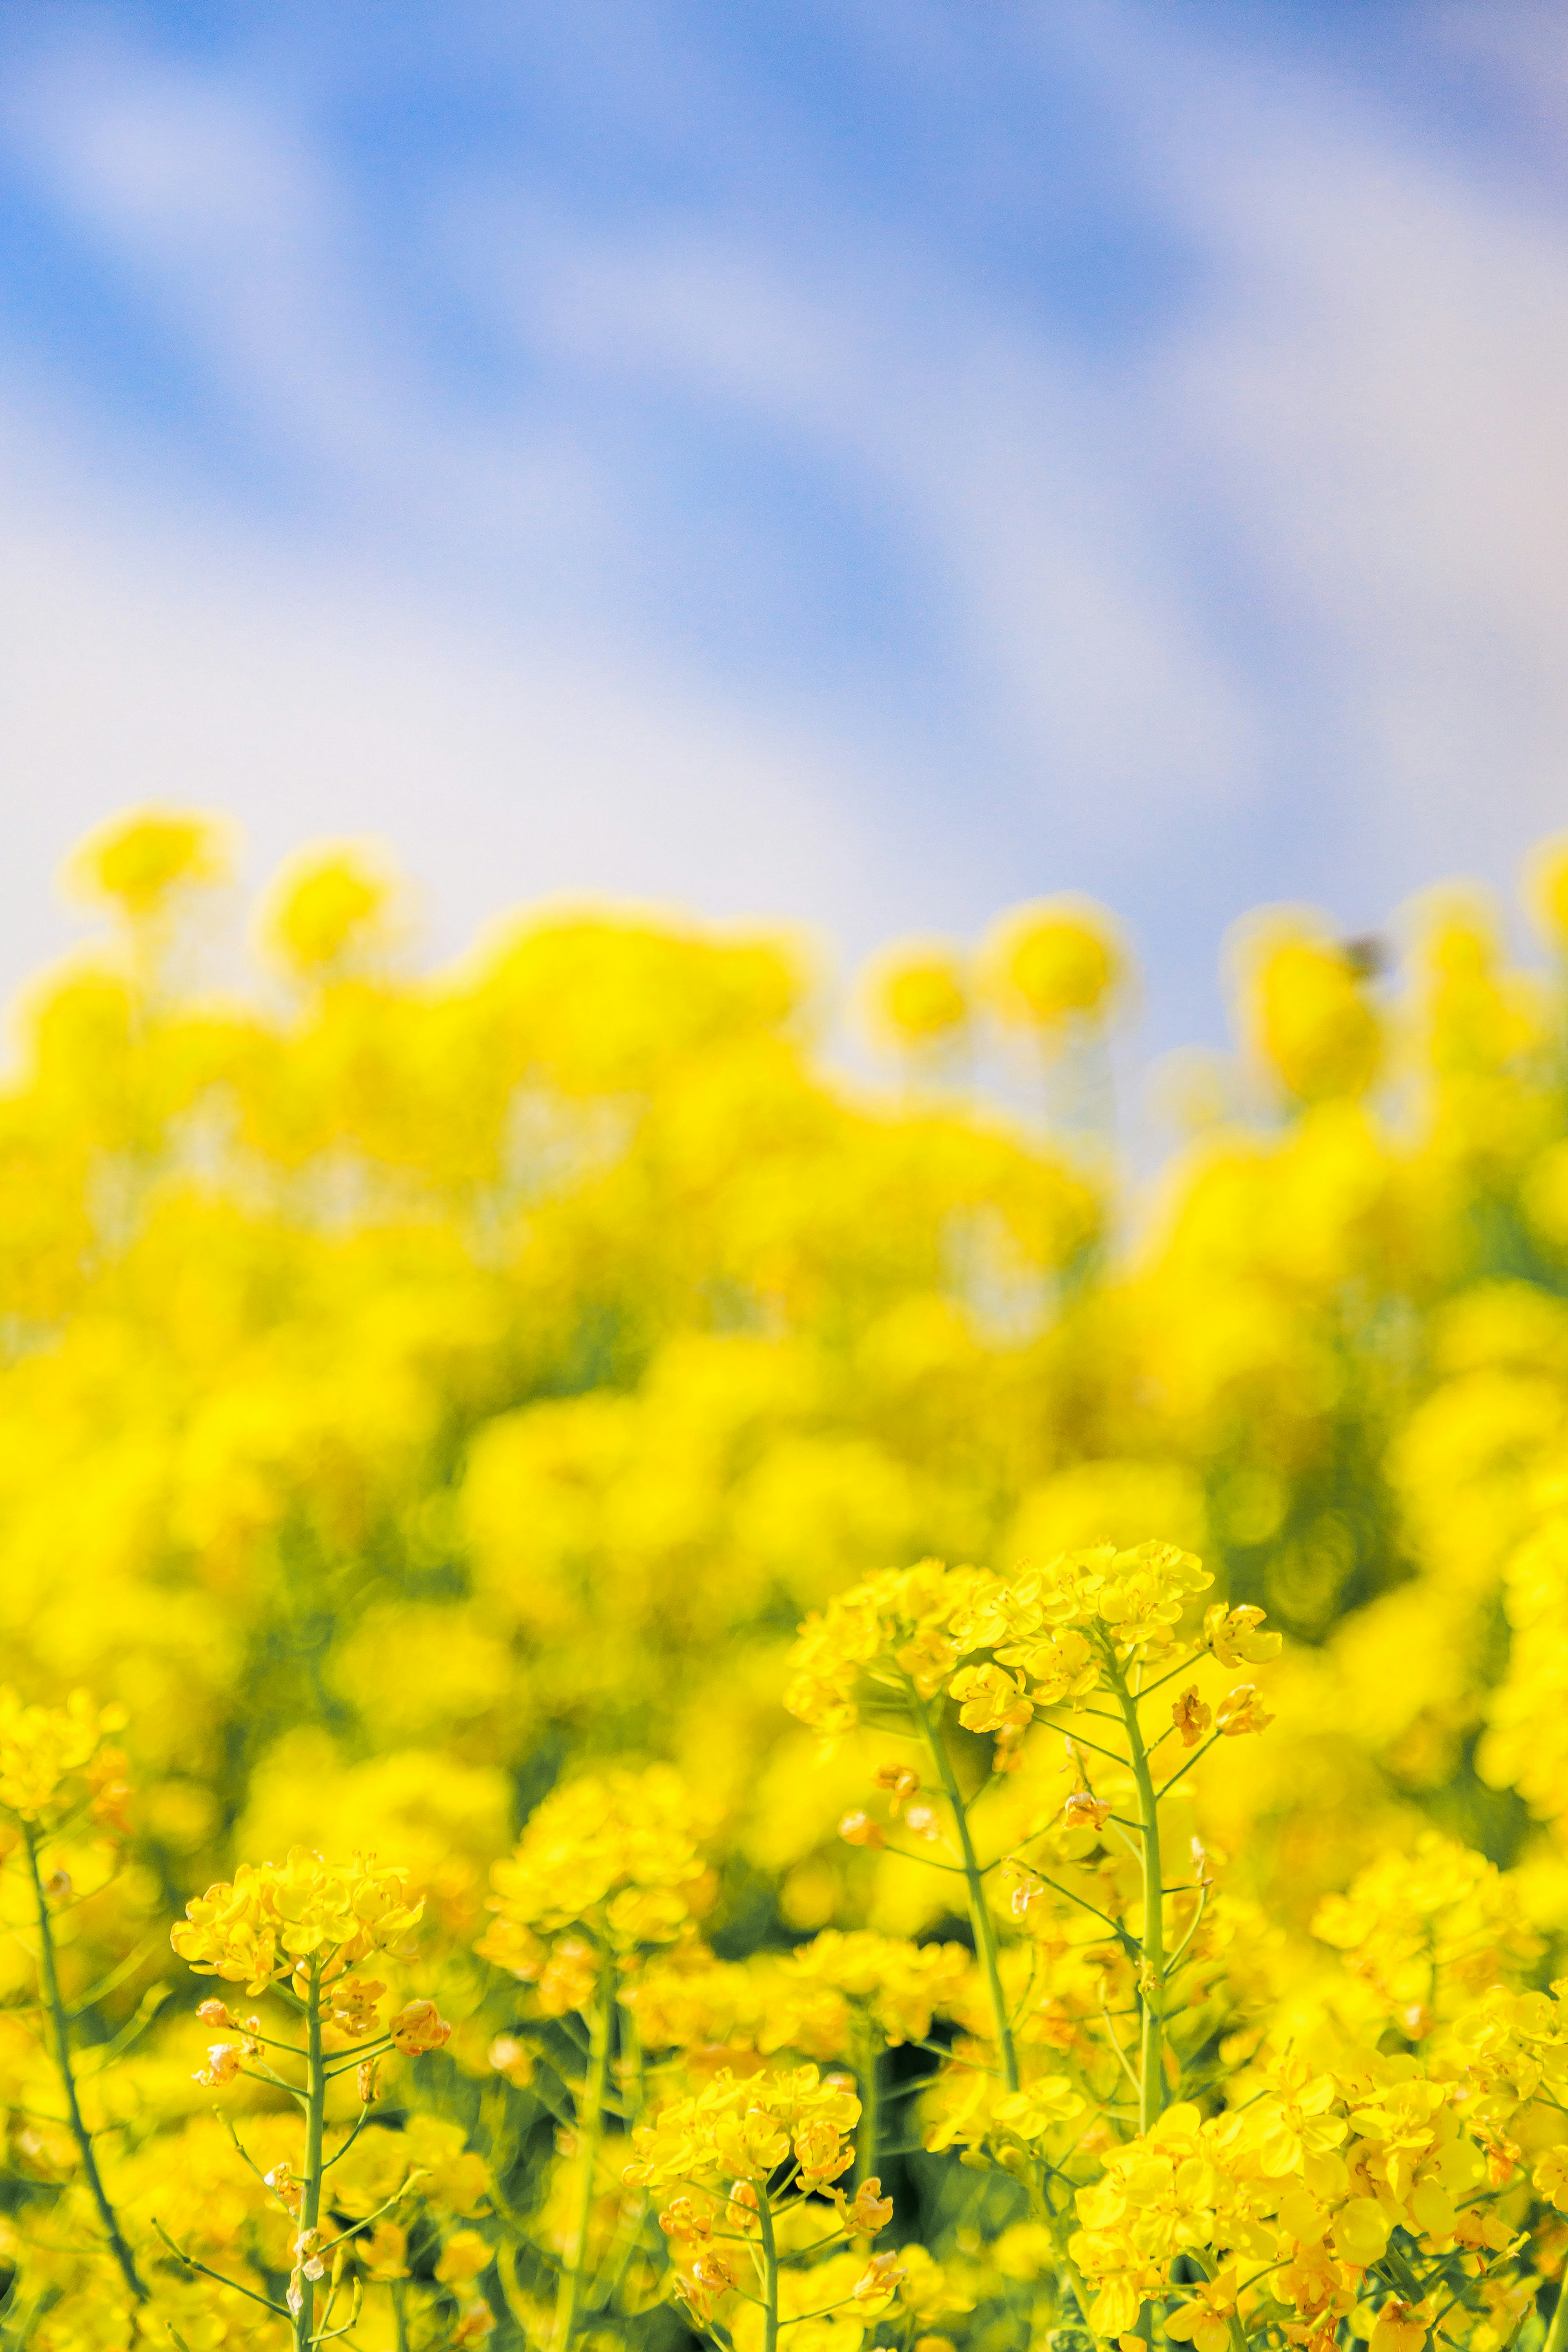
[303, 1917]
[1301, 2189]
[618, 1852]
[57, 1761]
[1048, 1638]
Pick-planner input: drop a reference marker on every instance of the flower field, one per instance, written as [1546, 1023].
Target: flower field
[655, 1694]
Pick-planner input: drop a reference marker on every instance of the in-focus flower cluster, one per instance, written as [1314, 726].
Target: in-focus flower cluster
[292, 1919]
[743, 2129]
[1288, 2201]
[1048, 1638]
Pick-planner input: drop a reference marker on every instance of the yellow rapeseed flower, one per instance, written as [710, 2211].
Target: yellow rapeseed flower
[278, 1919]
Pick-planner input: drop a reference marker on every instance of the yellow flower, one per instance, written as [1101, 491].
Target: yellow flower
[464, 2255]
[1233, 1636]
[326, 906]
[222, 2066]
[138, 861]
[895, 1623]
[1550, 2175]
[1039, 2108]
[1205, 2321]
[1190, 1716]
[384, 2252]
[1308, 1015]
[48, 1754]
[991, 1699]
[279, 1918]
[916, 994]
[880, 2276]
[618, 1851]
[1051, 960]
[418, 2027]
[1361, 2232]
[1241, 1711]
[1399, 2328]
[871, 2210]
[741, 2129]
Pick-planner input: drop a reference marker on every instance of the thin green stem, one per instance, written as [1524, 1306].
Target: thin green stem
[1151, 2055]
[190, 2264]
[771, 2274]
[868, 2052]
[315, 2118]
[1096, 1749]
[1195, 1757]
[1177, 1957]
[590, 2123]
[364, 2114]
[53, 2002]
[979, 1910]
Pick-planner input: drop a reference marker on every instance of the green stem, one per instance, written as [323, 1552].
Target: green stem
[979, 1910]
[50, 1975]
[869, 2053]
[590, 2123]
[1151, 2056]
[315, 2118]
[1557, 2334]
[771, 2274]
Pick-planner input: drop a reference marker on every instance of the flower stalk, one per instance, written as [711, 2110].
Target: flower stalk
[1152, 1973]
[771, 2274]
[869, 2072]
[980, 1917]
[590, 2124]
[315, 2104]
[59, 2025]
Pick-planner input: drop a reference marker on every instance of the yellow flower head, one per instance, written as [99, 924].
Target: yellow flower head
[1307, 1010]
[917, 993]
[743, 2130]
[617, 1850]
[1130, 1601]
[277, 1919]
[1546, 888]
[889, 1626]
[327, 907]
[1400, 2329]
[137, 862]
[1232, 1636]
[1052, 961]
[1051, 1631]
[899, 1984]
[52, 1758]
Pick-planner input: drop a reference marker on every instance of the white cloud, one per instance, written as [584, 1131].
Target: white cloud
[1375, 397]
[158, 666]
[999, 455]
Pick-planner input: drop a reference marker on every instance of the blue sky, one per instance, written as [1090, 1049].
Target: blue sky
[863, 461]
